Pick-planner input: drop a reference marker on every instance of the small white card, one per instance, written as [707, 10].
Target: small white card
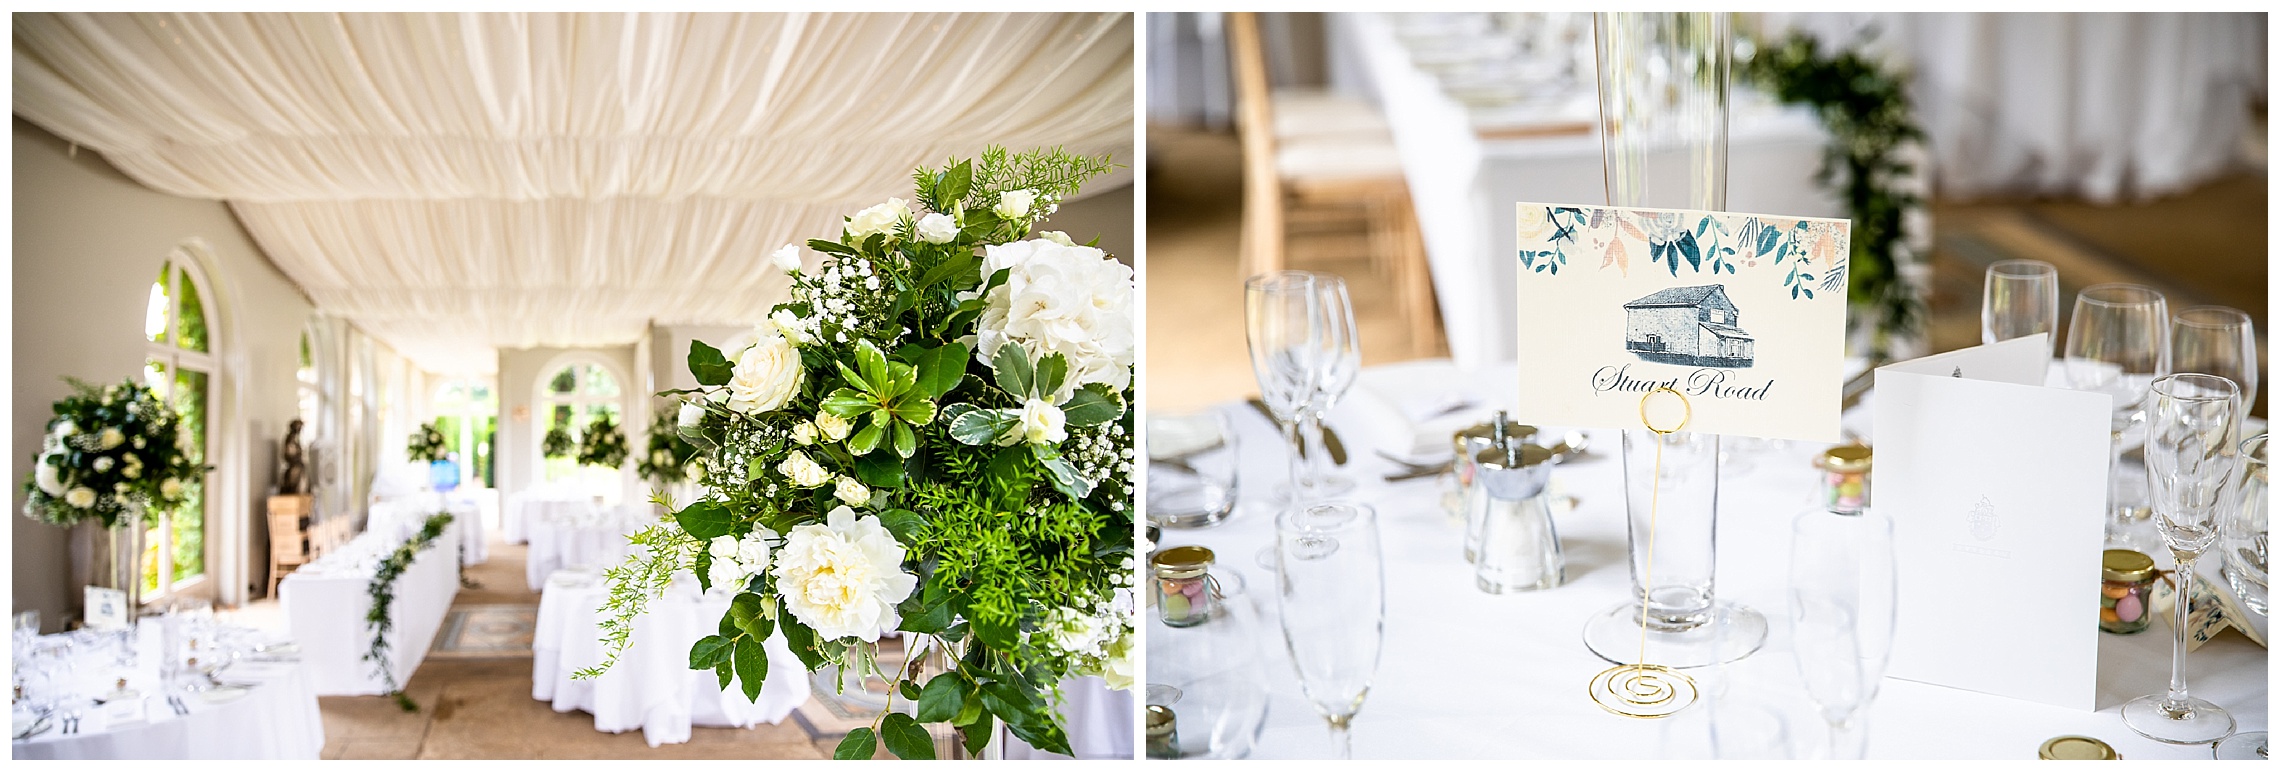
[106, 608]
[1743, 314]
[1996, 487]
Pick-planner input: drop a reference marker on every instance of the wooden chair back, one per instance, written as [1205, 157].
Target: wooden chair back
[1262, 247]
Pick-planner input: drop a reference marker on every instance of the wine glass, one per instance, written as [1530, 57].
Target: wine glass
[2192, 428]
[2020, 298]
[2218, 341]
[1282, 324]
[2117, 344]
[1339, 363]
[1331, 588]
[1843, 600]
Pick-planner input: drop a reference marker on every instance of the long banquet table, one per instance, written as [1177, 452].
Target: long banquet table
[407, 513]
[276, 717]
[1465, 674]
[325, 603]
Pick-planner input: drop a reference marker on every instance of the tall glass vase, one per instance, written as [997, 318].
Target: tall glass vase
[1663, 96]
[116, 560]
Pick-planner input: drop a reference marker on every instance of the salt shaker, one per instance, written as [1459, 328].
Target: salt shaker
[1519, 545]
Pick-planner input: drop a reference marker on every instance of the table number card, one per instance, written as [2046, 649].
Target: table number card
[1744, 314]
[106, 608]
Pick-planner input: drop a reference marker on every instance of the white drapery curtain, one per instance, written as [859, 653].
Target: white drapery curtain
[2107, 106]
[455, 182]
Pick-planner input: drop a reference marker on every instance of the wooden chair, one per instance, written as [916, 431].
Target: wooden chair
[1313, 157]
[288, 537]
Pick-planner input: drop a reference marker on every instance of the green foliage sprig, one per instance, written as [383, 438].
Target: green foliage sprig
[382, 588]
[426, 444]
[110, 453]
[1866, 110]
[603, 444]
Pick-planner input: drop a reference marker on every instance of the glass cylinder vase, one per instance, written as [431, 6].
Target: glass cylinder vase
[116, 561]
[1672, 506]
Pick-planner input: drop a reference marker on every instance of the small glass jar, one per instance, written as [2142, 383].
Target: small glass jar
[1185, 593]
[2125, 598]
[1844, 478]
[1163, 733]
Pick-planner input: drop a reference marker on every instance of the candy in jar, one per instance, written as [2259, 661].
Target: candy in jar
[1184, 591]
[2125, 594]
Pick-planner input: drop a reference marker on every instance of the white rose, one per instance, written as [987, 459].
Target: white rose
[803, 470]
[112, 438]
[937, 228]
[1014, 204]
[788, 325]
[787, 259]
[725, 571]
[833, 428]
[843, 578]
[722, 547]
[65, 428]
[1073, 301]
[767, 375]
[852, 492]
[1057, 237]
[695, 469]
[659, 458]
[81, 497]
[1042, 422]
[877, 219]
[804, 433]
[103, 464]
[170, 488]
[752, 550]
[44, 475]
[1118, 672]
[691, 413]
[138, 443]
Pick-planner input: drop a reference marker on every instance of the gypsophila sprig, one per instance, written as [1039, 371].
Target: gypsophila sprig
[426, 444]
[930, 436]
[109, 454]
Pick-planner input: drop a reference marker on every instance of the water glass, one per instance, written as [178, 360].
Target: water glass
[1192, 469]
[2219, 341]
[2116, 344]
[2020, 298]
[1331, 592]
[1211, 675]
[2191, 454]
[2246, 546]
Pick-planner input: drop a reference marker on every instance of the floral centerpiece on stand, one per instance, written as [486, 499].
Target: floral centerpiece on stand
[110, 453]
[672, 458]
[930, 438]
[558, 443]
[603, 444]
[426, 445]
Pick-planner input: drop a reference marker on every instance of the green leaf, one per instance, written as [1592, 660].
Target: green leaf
[996, 631]
[906, 441]
[728, 629]
[1092, 405]
[1041, 734]
[751, 666]
[976, 426]
[873, 364]
[853, 378]
[831, 247]
[1008, 699]
[915, 412]
[879, 471]
[1065, 476]
[1009, 476]
[708, 365]
[901, 379]
[905, 738]
[903, 523]
[942, 698]
[977, 733]
[801, 639]
[908, 689]
[925, 619]
[867, 438]
[941, 368]
[971, 714]
[860, 745]
[1014, 374]
[1051, 370]
[746, 611]
[727, 671]
[708, 651]
[703, 569]
[955, 181]
[848, 403]
[704, 520]
[955, 266]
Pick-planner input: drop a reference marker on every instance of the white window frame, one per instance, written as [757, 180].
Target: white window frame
[181, 268]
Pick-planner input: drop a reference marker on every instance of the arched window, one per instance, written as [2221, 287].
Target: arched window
[570, 398]
[179, 364]
[467, 412]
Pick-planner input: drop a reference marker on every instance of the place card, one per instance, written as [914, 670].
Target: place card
[106, 608]
[1743, 314]
[1996, 488]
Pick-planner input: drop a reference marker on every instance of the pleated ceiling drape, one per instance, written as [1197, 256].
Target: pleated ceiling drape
[452, 183]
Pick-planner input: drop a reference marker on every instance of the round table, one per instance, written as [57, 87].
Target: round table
[274, 717]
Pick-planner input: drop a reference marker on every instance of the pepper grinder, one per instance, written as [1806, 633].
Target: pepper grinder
[1519, 545]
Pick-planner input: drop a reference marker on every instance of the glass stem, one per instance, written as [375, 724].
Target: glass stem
[1295, 433]
[1317, 456]
[1342, 737]
[1848, 739]
[2117, 513]
[2184, 580]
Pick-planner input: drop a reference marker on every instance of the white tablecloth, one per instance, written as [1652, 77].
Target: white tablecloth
[325, 603]
[521, 508]
[579, 534]
[1464, 186]
[651, 687]
[1470, 675]
[405, 515]
[1097, 719]
[276, 719]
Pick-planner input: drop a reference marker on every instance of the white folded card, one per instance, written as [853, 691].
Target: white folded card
[1996, 487]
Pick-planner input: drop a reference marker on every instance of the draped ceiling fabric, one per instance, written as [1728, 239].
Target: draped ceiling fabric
[454, 183]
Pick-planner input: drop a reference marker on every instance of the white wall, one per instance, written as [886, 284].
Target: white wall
[87, 243]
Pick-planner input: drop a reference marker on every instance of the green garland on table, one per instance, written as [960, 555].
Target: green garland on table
[603, 445]
[383, 592]
[1866, 110]
[426, 444]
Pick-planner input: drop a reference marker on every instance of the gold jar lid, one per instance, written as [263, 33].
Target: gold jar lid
[1845, 458]
[1159, 720]
[2075, 747]
[1182, 562]
[2127, 566]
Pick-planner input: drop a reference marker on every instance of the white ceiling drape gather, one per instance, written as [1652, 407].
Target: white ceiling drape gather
[455, 182]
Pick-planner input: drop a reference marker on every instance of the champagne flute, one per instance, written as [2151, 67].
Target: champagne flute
[1282, 325]
[2218, 341]
[2020, 299]
[1843, 601]
[2118, 344]
[2192, 434]
[1331, 590]
[1339, 363]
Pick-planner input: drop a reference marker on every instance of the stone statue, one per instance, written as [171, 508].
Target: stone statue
[293, 479]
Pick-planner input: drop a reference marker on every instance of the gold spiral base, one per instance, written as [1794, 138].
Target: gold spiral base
[1642, 691]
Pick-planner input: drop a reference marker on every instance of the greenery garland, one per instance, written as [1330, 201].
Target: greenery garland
[426, 444]
[603, 445]
[558, 443]
[109, 453]
[670, 456]
[382, 588]
[1869, 119]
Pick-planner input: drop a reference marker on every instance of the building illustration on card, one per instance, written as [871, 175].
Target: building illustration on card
[1688, 326]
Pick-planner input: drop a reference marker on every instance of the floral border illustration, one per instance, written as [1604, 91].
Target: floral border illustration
[1816, 252]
